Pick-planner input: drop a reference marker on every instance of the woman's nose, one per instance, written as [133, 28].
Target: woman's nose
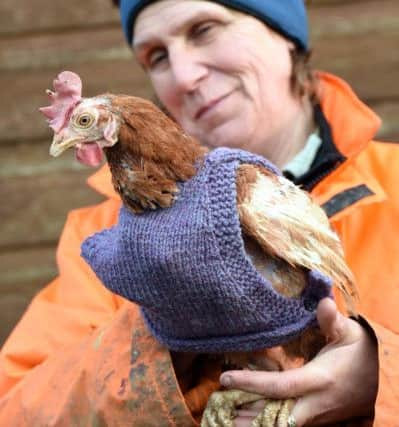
[187, 69]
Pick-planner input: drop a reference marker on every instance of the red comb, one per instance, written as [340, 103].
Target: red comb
[67, 93]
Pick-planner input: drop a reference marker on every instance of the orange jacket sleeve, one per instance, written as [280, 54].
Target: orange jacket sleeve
[386, 407]
[68, 310]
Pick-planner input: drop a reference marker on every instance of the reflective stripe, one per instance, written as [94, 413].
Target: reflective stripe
[347, 198]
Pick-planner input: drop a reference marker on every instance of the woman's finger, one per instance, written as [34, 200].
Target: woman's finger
[277, 385]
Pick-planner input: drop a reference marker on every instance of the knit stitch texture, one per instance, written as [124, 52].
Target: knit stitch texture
[187, 268]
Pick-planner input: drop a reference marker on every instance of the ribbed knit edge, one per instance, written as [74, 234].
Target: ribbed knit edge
[218, 344]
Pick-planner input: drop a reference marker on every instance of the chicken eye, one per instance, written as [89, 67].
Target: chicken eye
[84, 121]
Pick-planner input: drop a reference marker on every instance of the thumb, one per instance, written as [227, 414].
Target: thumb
[332, 322]
[328, 318]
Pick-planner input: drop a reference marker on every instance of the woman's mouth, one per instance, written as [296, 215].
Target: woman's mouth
[202, 111]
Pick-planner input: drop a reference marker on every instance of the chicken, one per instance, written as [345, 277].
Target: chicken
[285, 233]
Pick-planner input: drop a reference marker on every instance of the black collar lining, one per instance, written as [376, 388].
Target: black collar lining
[346, 198]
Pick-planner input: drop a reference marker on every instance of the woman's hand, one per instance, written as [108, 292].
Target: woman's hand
[340, 383]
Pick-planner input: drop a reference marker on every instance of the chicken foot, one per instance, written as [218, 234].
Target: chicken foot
[222, 409]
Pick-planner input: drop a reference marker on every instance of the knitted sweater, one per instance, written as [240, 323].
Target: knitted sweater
[187, 268]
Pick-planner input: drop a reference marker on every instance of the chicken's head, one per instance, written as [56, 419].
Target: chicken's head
[90, 127]
[87, 124]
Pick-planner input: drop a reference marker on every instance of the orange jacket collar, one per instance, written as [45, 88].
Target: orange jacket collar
[353, 126]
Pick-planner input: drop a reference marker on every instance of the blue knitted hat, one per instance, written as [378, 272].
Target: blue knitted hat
[287, 17]
[187, 268]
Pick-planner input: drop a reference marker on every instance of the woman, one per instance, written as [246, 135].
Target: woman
[229, 79]
[215, 68]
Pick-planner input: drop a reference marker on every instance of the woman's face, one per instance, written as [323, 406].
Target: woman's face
[223, 75]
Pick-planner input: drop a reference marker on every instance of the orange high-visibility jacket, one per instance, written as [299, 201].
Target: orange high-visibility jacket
[82, 355]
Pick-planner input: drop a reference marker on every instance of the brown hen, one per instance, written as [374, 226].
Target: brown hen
[285, 232]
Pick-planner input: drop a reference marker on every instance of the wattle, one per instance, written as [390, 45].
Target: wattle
[89, 154]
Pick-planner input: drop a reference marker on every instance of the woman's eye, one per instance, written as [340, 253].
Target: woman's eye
[85, 120]
[202, 29]
[156, 57]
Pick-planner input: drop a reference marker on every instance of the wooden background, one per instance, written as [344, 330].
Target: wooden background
[356, 39]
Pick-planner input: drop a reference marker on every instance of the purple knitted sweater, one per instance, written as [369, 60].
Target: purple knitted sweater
[187, 268]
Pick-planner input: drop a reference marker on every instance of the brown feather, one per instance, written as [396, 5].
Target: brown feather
[152, 155]
[288, 225]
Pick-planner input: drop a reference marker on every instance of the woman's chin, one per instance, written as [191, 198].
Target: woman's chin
[226, 136]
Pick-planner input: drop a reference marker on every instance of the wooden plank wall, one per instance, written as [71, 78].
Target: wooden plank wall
[356, 39]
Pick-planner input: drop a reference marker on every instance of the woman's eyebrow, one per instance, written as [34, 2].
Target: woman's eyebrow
[150, 39]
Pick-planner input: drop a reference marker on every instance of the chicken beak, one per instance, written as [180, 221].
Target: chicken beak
[59, 144]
